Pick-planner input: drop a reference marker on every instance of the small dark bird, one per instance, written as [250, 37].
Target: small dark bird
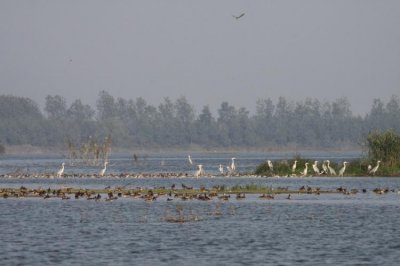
[238, 17]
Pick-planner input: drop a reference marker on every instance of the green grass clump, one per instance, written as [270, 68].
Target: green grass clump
[284, 167]
[357, 167]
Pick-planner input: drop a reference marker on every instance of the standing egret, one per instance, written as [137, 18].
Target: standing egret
[190, 160]
[294, 166]
[369, 168]
[270, 165]
[104, 169]
[324, 168]
[341, 171]
[373, 170]
[233, 166]
[61, 171]
[200, 170]
[221, 169]
[228, 169]
[305, 171]
[315, 167]
[331, 170]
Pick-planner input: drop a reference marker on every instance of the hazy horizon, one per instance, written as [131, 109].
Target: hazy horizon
[155, 49]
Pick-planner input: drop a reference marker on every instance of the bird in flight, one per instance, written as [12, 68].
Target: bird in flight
[238, 17]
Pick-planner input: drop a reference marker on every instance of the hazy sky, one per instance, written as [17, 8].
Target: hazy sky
[153, 49]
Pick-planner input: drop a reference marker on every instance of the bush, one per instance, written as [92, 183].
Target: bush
[384, 147]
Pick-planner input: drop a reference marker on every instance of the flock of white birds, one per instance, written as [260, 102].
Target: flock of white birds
[101, 173]
[327, 169]
[231, 169]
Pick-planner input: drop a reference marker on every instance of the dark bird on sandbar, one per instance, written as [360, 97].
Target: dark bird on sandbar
[238, 17]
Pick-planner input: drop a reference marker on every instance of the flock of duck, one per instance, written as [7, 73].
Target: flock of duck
[173, 193]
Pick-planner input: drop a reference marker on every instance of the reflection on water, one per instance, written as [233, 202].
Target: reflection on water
[334, 229]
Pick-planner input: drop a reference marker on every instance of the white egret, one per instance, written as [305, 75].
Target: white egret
[270, 165]
[221, 169]
[233, 166]
[200, 170]
[190, 160]
[369, 168]
[373, 170]
[324, 168]
[228, 169]
[294, 166]
[104, 169]
[315, 167]
[61, 171]
[331, 170]
[305, 171]
[341, 171]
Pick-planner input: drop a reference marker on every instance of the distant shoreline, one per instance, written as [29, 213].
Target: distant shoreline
[36, 150]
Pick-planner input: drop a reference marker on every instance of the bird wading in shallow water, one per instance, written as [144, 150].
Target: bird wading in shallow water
[233, 166]
[200, 170]
[221, 169]
[103, 171]
[61, 171]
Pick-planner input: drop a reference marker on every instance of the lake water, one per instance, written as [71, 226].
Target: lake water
[329, 229]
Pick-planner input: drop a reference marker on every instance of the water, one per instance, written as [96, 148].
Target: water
[163, 162]
[331, 229]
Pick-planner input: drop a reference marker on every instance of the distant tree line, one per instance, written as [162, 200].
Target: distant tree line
[135, 123]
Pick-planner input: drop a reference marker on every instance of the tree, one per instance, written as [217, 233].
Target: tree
[283, 118]
[185, 120]
[21, 121]
[206, 128]
[80, 112]
[393, 113]
[55, 107]
[226, 124]
[264, 121]
[105, 106]
[166, 120]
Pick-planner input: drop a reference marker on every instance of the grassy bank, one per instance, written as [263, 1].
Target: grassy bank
[358, 167]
